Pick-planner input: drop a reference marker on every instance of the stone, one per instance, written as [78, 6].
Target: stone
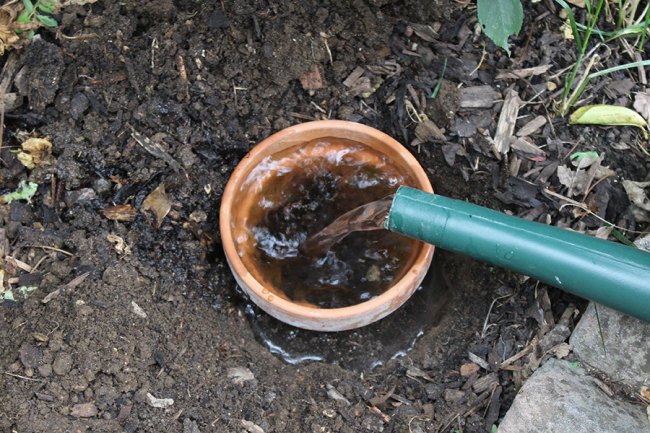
[63, 363]
[190, 426]
[84, 410]
[30, 355]
[626, 354]
[559, 397]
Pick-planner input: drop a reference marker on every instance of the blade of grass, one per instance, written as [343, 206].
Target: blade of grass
[620, 68]
[646, 24]
[436, 90]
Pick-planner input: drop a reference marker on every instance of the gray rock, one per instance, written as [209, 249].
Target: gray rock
[63, 363]
[559, 399]
[190, 426]
[626, 354]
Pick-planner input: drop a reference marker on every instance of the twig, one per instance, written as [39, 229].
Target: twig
[22, 377]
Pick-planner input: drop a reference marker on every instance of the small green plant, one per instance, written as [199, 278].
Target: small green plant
[500, 19]
[637, 28]
[36, 12]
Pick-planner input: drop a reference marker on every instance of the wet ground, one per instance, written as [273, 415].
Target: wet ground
[128, 309]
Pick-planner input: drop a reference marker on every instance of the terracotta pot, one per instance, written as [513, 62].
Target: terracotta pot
[237, 204]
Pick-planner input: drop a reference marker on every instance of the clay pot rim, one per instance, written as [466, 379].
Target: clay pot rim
[304, 316]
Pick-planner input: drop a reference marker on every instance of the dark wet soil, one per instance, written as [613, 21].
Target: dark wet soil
[127, 309]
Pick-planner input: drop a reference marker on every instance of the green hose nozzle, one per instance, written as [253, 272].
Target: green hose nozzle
[612, 274]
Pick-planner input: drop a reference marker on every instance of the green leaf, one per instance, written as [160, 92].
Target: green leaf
[494, 428]
[29, 6]
[8, 296]
[578, 156]
[500, 19]
[26, 290]
[608, 115]
[574, 364]
[46, 6]
[47, 21]
[25, 191]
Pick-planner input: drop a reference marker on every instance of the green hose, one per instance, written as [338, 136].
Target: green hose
[612, 274]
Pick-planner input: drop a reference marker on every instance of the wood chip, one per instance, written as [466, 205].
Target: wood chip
[415, 373]
[424, 32]
[121, 212]
[486, 382]
[522, 73]
[507, 122]
[478, 360]
[336, 396]
[532, 126]
[478, 97]
[453, 395]
[469, 369]
[66, 287]
[354, 76]
[154, 149]
[525, 146]
[311, 80]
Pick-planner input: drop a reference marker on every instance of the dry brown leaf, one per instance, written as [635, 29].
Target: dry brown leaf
[645, 392]
[36, 152]
[158, 204]
[636, 194]
[642, 104]
[311, 80]
[119, 244]
[121, 212]
[8, 36]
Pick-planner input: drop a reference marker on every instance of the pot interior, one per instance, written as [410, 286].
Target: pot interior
[292, 182]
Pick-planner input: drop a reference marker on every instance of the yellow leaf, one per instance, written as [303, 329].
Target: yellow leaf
[36, 152]
[608, 115]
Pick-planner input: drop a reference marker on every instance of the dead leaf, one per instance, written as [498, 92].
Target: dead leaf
[427, 131]
[311, 80]
[643, 243]
[120, 212]
[645, 392]
[251, 427]
[119, 244]
[561, 350]
[636, 194]
[36, 152]
[642, 104]
[158, 204]
[8, 36]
